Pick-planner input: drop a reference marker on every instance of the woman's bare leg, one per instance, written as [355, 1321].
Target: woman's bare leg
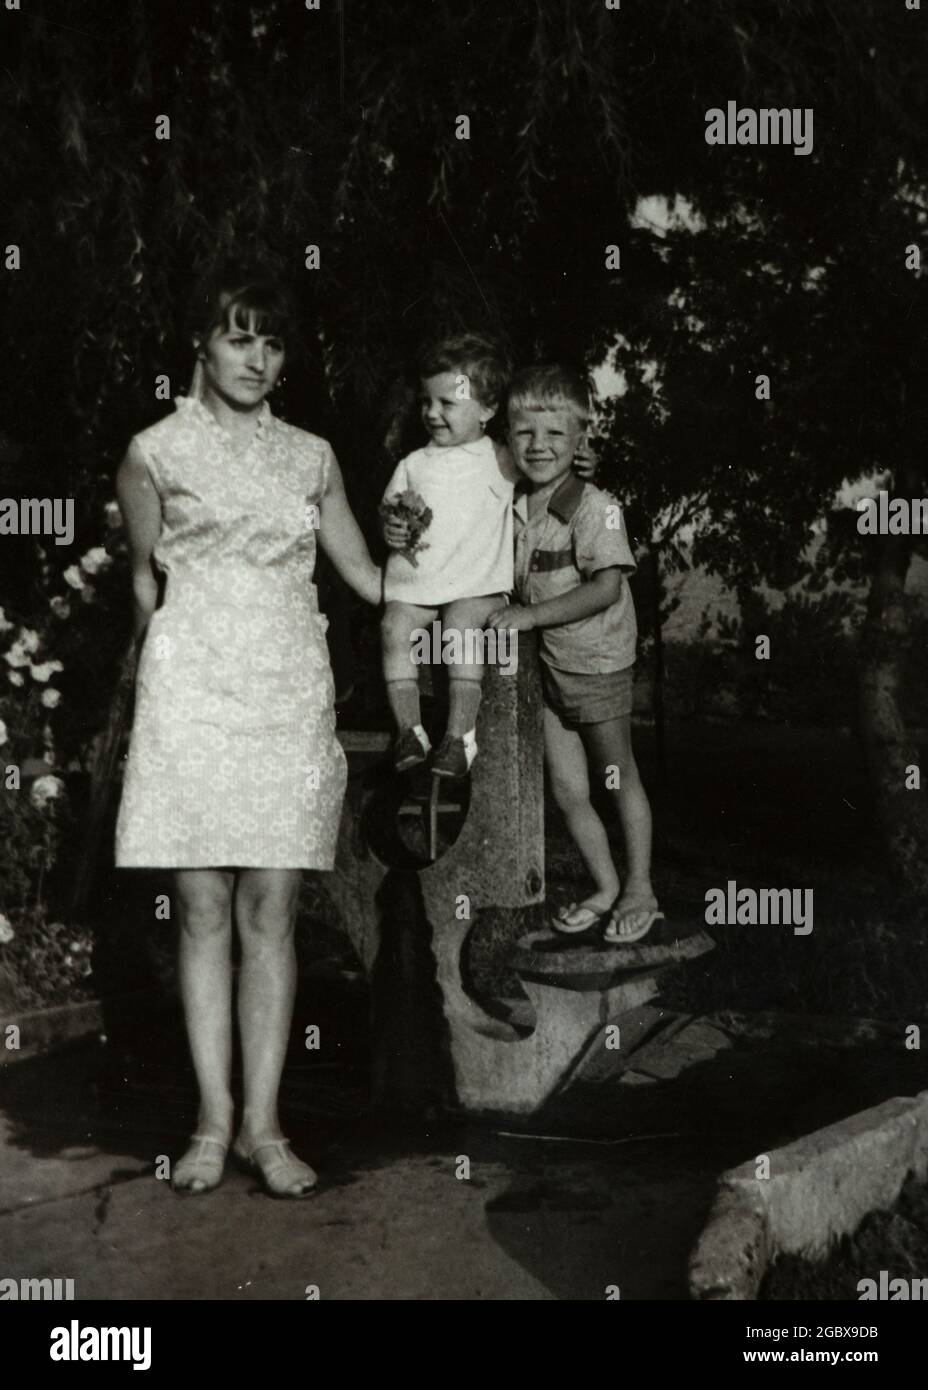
[204, 898]
[265, 910]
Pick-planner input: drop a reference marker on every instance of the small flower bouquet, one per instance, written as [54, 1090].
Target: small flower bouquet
[409, 508]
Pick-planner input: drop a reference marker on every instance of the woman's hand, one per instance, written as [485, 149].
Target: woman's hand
[396, 533]
[514, 617]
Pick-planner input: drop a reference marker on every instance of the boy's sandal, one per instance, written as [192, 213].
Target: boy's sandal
[573, 919]
[617, 938]
[200, 1166]
[280, 1175]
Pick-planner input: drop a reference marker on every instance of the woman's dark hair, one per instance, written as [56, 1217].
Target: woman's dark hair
[226, 302]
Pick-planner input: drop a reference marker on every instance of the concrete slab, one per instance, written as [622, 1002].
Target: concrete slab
[547, 953]
[77, 1168]
[818, 1189]
[531, 1222]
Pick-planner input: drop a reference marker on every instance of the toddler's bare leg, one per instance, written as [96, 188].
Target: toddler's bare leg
[466, 616]
[400, 672]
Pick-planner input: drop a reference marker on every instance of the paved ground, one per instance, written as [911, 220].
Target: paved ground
[536, 1219]
[596, 1203]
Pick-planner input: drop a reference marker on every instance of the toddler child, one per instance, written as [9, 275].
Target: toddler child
[462, 569]
[571, 559]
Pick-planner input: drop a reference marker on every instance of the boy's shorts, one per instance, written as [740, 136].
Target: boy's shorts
[588, 697]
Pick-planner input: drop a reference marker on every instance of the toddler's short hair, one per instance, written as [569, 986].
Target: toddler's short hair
[551, 387]
[480, 359]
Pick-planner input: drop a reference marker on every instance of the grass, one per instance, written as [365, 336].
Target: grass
[895, 1241]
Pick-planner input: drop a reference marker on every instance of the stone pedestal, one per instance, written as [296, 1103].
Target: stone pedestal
[437, 1037]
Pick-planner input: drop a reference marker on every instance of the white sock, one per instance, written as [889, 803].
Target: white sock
[470, 745]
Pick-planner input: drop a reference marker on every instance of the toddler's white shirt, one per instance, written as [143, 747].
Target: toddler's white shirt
[469, 489]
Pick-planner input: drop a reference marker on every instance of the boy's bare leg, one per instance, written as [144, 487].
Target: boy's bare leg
[565, 758]
[609, 746]
[400, 673]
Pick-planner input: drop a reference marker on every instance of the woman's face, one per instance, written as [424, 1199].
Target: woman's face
[240, 365]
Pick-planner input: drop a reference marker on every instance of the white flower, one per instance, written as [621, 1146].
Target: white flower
[5, 624]
[47, 668]
[60, 606]
[30, 640]
[96, 561]
[17, 655]
[3, 732]
[6, 931]
[46, 789]
[73, 576]
[113, 515]
[51, 697]
[15, 678]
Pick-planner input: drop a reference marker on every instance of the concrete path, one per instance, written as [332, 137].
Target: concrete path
[536, 1219]
[595, 1204]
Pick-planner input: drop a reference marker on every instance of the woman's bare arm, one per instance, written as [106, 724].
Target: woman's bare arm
[141, 512]
[341, 539]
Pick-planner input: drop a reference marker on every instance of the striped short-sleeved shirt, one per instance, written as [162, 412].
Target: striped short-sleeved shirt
[578, 533]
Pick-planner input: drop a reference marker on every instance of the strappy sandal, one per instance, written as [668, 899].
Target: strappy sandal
[202, 1167]
[279, 1176]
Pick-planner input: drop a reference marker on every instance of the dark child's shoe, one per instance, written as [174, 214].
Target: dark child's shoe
[455, 756]
[409, 750]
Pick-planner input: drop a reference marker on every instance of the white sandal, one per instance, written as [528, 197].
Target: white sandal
[200, 1167]
[279, 1176]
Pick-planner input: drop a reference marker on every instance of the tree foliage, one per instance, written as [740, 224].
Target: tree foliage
[336, 127]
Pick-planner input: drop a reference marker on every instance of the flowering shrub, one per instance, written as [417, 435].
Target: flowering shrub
[45, 962]
[42, 960]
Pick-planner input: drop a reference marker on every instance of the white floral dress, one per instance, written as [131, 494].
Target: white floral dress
[233, 760]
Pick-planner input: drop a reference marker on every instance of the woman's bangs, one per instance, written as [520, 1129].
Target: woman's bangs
[255, 312]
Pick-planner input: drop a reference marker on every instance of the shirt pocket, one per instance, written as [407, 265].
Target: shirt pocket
[552, 573]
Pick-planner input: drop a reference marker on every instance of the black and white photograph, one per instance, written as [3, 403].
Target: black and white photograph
[464, 663]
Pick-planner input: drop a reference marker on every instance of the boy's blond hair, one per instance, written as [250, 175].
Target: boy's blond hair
[551, 387]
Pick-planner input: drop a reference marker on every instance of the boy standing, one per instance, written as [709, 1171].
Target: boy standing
[571, 558]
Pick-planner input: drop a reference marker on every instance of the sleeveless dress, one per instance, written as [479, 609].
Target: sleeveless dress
[233, 760]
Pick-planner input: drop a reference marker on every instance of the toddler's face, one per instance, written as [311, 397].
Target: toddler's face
[449, 412]
[544, 442]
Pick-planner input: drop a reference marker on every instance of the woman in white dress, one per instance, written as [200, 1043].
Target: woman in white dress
[235, 778]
